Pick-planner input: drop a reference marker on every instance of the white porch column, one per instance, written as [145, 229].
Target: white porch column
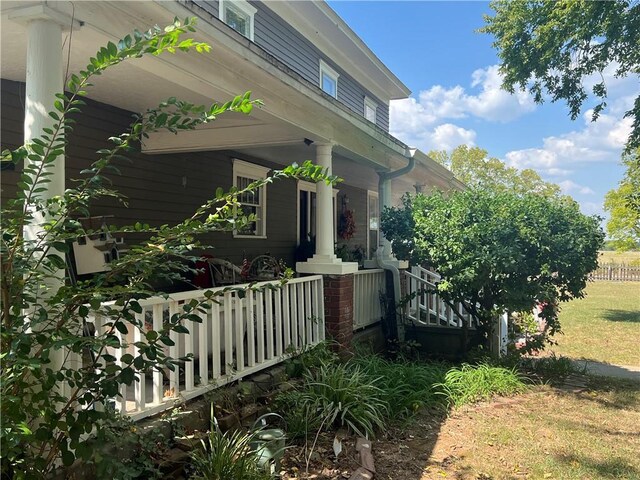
[325, 261]
[43, 80]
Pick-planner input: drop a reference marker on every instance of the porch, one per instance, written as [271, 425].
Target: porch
[245, 329]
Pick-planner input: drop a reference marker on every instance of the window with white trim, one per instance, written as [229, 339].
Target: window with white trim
[370, 108]
[254, 202]
[239, 15]
[373, 219]
[307, 212]
[328, 79]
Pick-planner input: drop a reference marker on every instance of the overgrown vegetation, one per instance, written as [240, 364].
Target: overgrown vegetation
[499, 251]
[368, 392]
[406, 386]
[57, 383]
[472, 383]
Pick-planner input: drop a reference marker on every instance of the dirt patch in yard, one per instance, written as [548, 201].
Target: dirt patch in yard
[547, 433]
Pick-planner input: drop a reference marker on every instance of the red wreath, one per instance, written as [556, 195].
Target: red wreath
[347, 225]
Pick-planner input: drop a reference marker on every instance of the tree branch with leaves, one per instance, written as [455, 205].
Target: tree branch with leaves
[44, 424]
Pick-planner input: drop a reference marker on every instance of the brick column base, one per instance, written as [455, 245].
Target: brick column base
[338, 309]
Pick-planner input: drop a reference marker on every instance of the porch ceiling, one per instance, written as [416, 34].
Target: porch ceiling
[293, 110]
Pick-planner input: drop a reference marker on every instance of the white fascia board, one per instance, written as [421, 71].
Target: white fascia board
[281, 83]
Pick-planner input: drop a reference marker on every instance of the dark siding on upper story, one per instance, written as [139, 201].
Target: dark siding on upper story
[286, 44]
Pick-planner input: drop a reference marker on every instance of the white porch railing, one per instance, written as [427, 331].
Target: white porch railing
[368, 285]
[426, 308]
[237, 337]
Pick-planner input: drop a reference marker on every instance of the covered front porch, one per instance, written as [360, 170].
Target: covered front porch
[253, 325]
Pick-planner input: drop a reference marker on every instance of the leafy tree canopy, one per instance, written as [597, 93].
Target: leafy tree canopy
[498, 250]
[623, 205]
[553, 46]
[474, 167]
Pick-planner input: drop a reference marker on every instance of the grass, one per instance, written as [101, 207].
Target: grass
[472, 383]
[619, 258]
[550, 433]
[603, 326]
[340, 395]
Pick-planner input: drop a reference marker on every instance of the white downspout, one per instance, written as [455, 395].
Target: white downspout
[384, 255]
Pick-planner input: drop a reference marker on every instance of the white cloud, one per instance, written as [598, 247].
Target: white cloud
[448, 136]
[440, 137]
[493, 103]
[593, 208]
[439, 103]
[599, 141]
[421, 121]
[569, 186]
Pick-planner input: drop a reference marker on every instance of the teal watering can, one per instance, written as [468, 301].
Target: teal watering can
[269, 443]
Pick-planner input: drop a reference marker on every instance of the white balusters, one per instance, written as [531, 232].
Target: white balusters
[237, 337]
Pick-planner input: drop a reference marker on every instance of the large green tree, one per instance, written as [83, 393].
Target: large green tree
[474, 167]
[623, 205]
[552, 46]
[498, 250]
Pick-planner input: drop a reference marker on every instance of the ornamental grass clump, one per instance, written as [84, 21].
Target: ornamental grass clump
[472, 383]
[406, 386]
[227, 456]
[344, 396]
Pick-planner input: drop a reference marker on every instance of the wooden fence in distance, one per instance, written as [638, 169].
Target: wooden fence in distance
[619, 273]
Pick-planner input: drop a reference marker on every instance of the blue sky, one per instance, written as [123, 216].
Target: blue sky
[452, 73]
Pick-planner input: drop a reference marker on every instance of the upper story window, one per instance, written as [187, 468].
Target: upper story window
[238, 14]
[254, 202]
[370, 109]
[328, 79]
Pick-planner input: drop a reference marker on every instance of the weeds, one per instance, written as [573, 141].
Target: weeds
[551, 369]
[468, 384]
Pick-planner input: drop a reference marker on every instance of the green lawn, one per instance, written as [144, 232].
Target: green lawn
[603, 326]
[619, 258]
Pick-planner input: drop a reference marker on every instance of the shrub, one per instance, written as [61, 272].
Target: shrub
[468, 384]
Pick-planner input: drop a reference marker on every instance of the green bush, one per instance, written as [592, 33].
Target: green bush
[300, 418]
[307, 358]
[472, 383]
